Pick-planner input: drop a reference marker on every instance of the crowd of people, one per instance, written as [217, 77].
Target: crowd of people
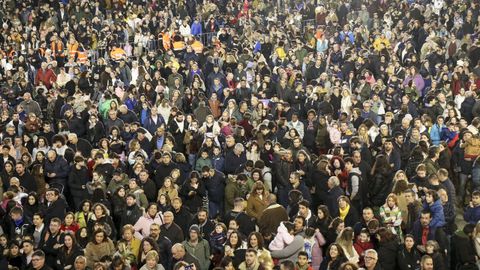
[255, 134]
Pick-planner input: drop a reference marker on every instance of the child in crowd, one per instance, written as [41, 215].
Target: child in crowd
[472, 211]
[362, 244]
[283, 237]
[302, 262]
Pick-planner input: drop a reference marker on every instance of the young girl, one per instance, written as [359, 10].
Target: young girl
[283, 237]
[69, 225]
[391, 215]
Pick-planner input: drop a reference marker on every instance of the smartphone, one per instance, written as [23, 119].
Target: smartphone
[189, 267]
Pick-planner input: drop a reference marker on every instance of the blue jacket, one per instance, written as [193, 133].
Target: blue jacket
[472, 214]
[438, 216]
[196, 29]
[436, 134]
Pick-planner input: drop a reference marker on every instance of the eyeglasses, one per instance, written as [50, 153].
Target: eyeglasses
[370, 258]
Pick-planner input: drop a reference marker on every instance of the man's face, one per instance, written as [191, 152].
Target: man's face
[27, 248]
[51, 196]
[367, 215]
[250, 258]
[37, 220]
[130, 201]
[302, 260]
[193, 236]
[168, 218]
[177, 254]
[303, 211]
[54, 227]
[51, 156]
[425, 219]
[154, 231]
[143, 177]
[293, 179]
[370, 260]
[202, 216]
[348, 166]
[388, 146]
[427, 264]
[409, 198]
[20, 169]
[38, 262]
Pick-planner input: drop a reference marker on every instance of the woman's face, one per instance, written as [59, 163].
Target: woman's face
[127, 235]
[229, 266]
[86, 207]
[342, 204]
[8, 167]
[301, 157]
[254, 241]
[333, 252]
[41, 142]
[151, 263]
[95, 176]
[259, 191]
[320, 214]
[409, 242]
[31, 200]
[168, 183]
[14, 250]
[256, 176]
[147, 247]
[98, 211]
[69, 219]
[391, 202]
[336, 163]
[99, 238]
[430, 249]
[233, 238]
[340, 227]
[68, 241]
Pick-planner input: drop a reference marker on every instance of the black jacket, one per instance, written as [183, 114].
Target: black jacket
[130, 215]
[55, 209]
[351, 218]
[380, 188]
[27, 181]
[408, 260]
[387, 253]
[77, 179]
[183, 218]
[173, 232]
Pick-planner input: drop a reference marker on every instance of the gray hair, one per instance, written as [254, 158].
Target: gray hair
[239, 147]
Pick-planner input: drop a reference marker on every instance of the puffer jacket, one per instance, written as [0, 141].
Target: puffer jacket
[438, 217]
[142, 227]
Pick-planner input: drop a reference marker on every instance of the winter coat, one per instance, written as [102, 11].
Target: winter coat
[380, 188]
[472, 214]
[317, 252]
[95, 252]
[387, 253]
[142, 227]
[130, 215]
[255, 206]
[438, 217]
[290, 252]
[201, 251]
[282, 238]
[61, 169]
[77, 181]
[193, 197]
[408, 260]
[215, 187]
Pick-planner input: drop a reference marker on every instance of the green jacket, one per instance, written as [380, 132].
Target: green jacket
[432, 167]
[201, 251]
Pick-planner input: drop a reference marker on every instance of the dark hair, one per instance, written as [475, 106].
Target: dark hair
[385, 235]
[288, 265]
[259, 240]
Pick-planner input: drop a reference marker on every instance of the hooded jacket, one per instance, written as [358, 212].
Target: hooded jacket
[438, 217]
[200, 250]
[142, 227]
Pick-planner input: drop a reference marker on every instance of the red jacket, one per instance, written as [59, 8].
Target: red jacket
[47, 77]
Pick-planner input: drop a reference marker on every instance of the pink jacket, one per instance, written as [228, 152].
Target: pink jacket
[142, 227]
[282, 239]
[317, 255]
